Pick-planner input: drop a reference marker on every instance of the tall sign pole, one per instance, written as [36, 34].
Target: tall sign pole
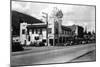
[47, 27]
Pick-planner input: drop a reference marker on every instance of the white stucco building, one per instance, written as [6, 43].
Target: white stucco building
[51, 32]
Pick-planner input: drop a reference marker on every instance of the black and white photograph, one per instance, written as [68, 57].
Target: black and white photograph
[52, 33]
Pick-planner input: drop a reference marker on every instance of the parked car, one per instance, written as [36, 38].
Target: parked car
[16, 46]
[68, 43]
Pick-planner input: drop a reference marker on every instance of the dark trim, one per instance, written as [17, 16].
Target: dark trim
[54, 3]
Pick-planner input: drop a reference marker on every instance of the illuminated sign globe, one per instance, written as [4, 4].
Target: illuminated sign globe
[59, 14]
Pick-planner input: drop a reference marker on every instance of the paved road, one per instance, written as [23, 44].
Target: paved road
[46, 55]
[88, 57]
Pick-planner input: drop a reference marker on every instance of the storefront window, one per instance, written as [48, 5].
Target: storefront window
[49, 30]
[36, 31]
[40, 31]
[33, 31]
[23, 31]
[36, 38]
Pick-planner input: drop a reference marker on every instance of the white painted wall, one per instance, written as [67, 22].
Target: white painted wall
[23, 36]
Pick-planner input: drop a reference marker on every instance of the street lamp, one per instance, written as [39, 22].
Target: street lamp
[47, 24]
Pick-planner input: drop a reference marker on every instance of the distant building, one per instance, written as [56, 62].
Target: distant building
[77, 30]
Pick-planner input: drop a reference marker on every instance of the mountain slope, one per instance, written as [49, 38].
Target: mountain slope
[17, 18]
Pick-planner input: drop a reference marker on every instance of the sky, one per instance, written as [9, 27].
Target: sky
[72, 14]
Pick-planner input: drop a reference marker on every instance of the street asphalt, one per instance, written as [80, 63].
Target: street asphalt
[49, 55]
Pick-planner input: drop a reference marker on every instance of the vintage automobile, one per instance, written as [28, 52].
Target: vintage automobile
[16, 46]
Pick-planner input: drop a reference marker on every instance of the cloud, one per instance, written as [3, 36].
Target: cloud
[29, 8]
[81, 15]
[21, 6]
[72, 14]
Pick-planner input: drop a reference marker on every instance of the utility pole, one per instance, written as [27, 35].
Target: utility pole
[47, 26]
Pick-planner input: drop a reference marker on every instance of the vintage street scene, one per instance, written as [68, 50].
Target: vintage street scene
[49, 33]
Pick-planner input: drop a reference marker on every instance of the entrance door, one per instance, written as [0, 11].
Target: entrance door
[51, 42]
